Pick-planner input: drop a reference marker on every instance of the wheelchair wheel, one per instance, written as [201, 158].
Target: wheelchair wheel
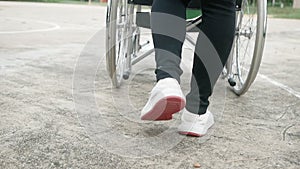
[249, 43]
[116, 39]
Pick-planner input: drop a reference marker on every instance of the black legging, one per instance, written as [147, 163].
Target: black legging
[212, 49]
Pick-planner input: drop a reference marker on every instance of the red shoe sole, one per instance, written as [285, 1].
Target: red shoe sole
[191, 134]
[165, 108]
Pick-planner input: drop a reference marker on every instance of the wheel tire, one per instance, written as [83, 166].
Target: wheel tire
[248, 44]
[116, 39]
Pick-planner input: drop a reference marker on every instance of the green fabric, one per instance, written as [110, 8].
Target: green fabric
[191, 13]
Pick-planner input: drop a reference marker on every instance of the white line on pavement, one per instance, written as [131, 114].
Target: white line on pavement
[53, 26]
[282, 86]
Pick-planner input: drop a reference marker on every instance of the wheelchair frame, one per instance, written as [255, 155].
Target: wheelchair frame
[131, 18]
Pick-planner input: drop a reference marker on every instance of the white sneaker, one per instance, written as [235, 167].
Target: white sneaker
[166, 99]
[194, 124]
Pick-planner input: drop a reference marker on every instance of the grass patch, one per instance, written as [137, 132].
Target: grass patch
[276, 12]
[94, 2]
[286, 12]
[48, 1]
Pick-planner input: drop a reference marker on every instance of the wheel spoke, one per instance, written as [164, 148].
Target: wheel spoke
[244, 44]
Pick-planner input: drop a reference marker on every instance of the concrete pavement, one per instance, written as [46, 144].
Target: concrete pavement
[42, 127]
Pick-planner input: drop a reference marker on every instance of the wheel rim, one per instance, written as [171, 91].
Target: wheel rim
[121, 39]
[244, 44]
[116, 39]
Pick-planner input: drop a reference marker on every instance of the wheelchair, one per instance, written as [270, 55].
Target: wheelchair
[126, 18]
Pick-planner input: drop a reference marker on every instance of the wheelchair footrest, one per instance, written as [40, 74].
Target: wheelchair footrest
[141, 2]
